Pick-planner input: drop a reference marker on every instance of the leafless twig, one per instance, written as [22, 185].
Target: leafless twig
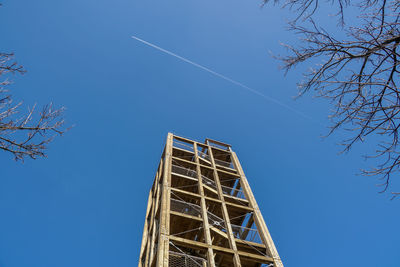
[358, 74]
[30, 133]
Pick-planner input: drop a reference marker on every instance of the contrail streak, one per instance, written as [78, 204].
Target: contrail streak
[271, 99]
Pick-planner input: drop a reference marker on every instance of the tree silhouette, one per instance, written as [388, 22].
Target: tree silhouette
[28, 134]
[358, 73]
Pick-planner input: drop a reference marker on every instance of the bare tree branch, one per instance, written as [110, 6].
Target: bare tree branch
[29, 134]
[358, 74]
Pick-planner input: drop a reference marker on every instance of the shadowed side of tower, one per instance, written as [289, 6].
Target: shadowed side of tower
[201, 211]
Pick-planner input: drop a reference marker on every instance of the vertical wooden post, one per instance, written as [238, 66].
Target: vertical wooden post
[156, 196]
[206, 226]
[145, 230]
[163, 243]
[231, 238]
[258, 218]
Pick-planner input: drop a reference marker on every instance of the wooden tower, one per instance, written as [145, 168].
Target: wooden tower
[201, 211]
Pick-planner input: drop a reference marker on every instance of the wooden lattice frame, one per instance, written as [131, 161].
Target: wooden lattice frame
[190, 223]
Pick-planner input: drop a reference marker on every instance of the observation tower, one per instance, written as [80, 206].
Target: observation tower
[201, 211]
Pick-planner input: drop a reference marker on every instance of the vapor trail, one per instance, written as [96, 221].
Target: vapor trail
[271, 99]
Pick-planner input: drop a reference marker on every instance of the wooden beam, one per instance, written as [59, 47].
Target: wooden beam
[231, 238]
[154, 223]
[208, 140]
[184, 139]
[145, 230]
[185, 177]
[182, 150]
[258, 218]
[200, 245]
[204, 215]
[249, 243]
[247, 227]
[216, 230]
[185, 216]
[237, 198]
[183, 192]
[163, 243]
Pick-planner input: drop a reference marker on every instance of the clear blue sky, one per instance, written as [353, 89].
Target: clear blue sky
[85, 204]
